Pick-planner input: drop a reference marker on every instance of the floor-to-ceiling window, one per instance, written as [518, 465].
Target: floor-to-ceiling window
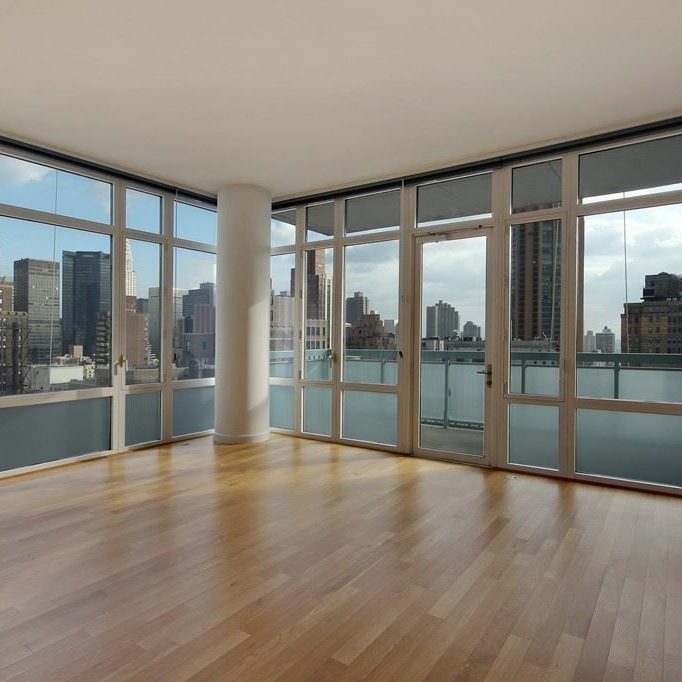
[528, 317]
[94, 347]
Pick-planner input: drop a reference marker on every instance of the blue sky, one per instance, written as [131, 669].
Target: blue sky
[38, 187]
[653, 238]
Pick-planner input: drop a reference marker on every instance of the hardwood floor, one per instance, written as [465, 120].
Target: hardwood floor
[300, 560]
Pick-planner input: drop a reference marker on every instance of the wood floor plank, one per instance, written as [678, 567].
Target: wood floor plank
[299, 560]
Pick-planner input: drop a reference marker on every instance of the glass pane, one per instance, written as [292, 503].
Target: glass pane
[195, 223]
[56, 334]
[632, 170]
[460, 199]
[371, 313]
[630, 343]
[534, 435]
[282, 311]
[317, 410]
[143, 418]
[34, 434]
[283, 228]
[536, 186]
[317, 329]
[452, 390]
[193, 314]
[638, 447]
[143, 283]
[371, 417]
[373, 213]
[143, 211]
[193, 410]
[41, 188]
[319, 222]
[282, 407]
[535, 307]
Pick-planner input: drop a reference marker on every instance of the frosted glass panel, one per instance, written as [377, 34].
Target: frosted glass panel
[143, 418]
[534, 435]
[45, 433]
[640, 447]
[282, 407]
[458, 199]
[317, 410]
[371, 417]
[193, 410]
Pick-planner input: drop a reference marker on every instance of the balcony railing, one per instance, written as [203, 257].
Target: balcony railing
[453, 391]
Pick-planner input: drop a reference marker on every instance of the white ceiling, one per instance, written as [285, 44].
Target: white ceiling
[303, 95]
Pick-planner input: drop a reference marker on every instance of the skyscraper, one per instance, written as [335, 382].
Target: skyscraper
[536, 282]
[318, 301]
[357, 307]
[154, 308]
[605, 341]
[36, 292]
[13, 352]
[86, 303]
[655, 324]
[6, 295]
[442, 320]
[131, 277]
[471, 331]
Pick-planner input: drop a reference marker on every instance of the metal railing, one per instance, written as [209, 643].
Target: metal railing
[528, 369]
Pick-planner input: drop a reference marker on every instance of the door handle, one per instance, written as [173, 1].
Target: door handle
[488, 371]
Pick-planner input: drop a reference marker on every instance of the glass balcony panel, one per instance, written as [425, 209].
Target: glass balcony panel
[628, 445]
[534, 435]
[143, 418]
[282, 407]
[193, 410]
[317, 410]
[370, 417]
[36, 434]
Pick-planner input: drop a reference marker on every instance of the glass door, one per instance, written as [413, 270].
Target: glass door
[454, 371]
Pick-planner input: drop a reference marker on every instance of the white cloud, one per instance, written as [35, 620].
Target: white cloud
[17, 172]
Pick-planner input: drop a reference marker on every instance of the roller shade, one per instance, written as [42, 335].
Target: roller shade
[644, 165]
[320, 219]
[453, 199]
[536, 187]
[373, 212]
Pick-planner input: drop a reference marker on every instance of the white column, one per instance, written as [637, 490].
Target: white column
[242, 315]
